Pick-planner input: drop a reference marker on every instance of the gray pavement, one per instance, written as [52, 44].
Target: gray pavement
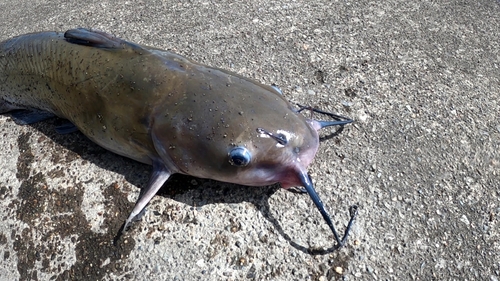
[422, 161]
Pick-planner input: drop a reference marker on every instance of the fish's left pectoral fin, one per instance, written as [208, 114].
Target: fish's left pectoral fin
[27, 117]
[158, 178]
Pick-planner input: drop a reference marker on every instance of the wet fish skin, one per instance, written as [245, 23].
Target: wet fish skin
[81, 84]
[114, 94]
[160, 108]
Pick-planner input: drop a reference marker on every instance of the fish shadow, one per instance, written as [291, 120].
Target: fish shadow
[202, 191]
[206, 192]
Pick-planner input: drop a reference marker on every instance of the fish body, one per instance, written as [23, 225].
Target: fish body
[127, 97]
[160, 108]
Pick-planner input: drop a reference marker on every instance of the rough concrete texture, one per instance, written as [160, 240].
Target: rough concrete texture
[421, 79]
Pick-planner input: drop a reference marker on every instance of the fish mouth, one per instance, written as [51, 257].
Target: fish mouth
[307, 183]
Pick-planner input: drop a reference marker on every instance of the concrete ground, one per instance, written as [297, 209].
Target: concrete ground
[422, 161]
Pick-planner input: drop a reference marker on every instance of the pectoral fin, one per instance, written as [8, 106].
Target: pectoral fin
[158, 178]
[26, 117]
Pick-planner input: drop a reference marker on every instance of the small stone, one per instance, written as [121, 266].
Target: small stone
[464, 219]
[362, 116]
[339, 270]
[200, 263]
[347, 103]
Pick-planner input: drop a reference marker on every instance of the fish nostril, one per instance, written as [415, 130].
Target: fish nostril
[239, 156]
[281, 139]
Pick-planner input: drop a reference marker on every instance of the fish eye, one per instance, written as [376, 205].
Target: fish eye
[239, 156]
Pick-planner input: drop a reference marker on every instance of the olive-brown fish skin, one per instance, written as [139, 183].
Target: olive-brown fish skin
[159, 108]
[119, 96]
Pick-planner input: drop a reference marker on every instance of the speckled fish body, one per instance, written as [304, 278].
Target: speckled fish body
[124, 97]
[159, 108]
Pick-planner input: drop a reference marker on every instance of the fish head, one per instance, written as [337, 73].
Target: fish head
[228, 128]
[276, 148]
[236, 131]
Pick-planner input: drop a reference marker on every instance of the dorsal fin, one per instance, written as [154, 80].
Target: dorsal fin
[99, 39]
[93, 38]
